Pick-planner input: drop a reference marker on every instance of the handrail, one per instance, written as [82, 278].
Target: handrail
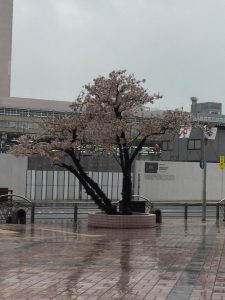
[139, 196]
[222, 200]
[222, 207]
[16, 195]
[149, 205]
[14, 204]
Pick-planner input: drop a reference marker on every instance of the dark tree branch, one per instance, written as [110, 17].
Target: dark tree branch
[125, 152]
[138, 149]
[87, 188]
[120, 152]
[89, 180]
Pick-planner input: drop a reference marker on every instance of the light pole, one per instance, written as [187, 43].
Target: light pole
[204, 144]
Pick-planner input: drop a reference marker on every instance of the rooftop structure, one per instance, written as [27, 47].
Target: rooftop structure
[207, 111]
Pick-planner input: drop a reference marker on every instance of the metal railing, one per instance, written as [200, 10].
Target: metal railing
[148, 204]
[61, 210]
[71, 210]
[187, 206]
[10, 202]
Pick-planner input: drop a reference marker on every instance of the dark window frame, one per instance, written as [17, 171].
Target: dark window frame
[167, 145]
[196, 144]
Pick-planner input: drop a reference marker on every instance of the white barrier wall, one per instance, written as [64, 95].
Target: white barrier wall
[178, 181]
[158, 181]
[13, 173]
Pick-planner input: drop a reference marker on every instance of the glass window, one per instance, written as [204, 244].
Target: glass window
[11, 112]
[197, 144]
[3, 123]
[12, 124]
[194, 144]
[23, 113]
[44, 114]
[167, 145]
[35, 125]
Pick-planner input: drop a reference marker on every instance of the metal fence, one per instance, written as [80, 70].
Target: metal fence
[63, 185]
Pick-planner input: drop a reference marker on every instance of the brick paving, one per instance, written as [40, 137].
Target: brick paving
[175, 260]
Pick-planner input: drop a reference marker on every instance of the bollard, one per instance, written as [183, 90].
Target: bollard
[19, 217]
[217, 211]
[158, 215]
[75, 213]
[32, 213]
[185, 211]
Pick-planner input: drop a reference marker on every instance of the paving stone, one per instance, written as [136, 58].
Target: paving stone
[55, 260]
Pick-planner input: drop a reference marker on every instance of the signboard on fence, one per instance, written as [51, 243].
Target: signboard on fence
[221, 163]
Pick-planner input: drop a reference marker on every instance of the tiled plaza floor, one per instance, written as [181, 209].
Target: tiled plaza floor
[175, 260]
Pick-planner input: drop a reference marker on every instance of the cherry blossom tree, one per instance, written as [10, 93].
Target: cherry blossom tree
[103, 114]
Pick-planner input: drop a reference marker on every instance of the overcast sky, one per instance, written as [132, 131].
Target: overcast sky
[178, 46]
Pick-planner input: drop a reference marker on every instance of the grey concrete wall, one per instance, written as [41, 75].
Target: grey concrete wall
[13, 173]
[99, 163]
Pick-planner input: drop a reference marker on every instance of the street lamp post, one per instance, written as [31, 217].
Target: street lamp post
[204, 144]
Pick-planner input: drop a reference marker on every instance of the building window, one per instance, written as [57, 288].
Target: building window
[194, 144]
[167, 145]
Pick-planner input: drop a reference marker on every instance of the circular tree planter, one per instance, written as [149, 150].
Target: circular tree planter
[137, 220]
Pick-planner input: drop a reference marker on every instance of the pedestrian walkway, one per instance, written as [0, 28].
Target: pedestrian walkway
[176, 260]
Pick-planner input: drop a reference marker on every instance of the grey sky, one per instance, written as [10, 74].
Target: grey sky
[178, 46]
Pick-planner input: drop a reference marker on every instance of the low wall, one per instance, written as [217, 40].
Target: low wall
[13, 173]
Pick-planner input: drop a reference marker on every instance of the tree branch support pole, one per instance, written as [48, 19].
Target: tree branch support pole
[32, 213]
[75, 211]
[185, 210]
[217, 211]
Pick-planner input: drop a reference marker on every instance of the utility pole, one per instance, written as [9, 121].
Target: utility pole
[204, 144]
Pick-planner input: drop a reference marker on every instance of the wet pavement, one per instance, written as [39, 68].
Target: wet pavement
[175, 260]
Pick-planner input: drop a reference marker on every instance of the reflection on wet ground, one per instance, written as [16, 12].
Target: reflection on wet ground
[175, 260]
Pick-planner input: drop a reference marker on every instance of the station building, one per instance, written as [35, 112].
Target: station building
[21, 116]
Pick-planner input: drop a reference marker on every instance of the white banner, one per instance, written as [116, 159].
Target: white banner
[211, 136]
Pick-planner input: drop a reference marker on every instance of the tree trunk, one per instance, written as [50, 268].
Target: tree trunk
[126, 193]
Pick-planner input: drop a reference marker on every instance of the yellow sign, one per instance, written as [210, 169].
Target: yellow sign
[222, 162]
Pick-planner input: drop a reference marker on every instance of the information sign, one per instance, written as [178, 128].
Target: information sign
[202, 164]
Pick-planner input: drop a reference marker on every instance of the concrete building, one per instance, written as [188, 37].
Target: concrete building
[6, 17]
[19, 116]
[207, 111]
[193, 147]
